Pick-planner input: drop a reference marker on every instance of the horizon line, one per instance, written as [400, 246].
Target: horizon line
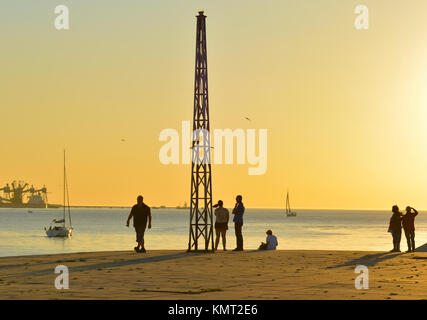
[259, 208]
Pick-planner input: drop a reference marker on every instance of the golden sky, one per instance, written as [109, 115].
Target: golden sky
[345, 109]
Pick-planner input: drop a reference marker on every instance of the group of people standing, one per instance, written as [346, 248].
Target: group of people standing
[141, 215]
[405, 221]
[221, 223]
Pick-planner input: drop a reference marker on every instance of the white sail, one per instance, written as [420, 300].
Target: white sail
[289, 212]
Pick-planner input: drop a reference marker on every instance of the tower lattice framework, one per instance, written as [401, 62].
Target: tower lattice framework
[201, 221]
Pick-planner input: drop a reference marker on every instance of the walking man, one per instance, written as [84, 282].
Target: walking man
[238, 211]
[409, 227]
[140, 212]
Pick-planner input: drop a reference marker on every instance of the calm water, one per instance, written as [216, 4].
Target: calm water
[100, 229]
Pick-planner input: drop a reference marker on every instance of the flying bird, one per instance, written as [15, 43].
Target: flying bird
[247, 119]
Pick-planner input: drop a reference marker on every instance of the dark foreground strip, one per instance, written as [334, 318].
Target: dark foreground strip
[211, 309]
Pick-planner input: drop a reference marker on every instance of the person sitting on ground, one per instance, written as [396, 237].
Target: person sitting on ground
[409, 227]
[271, 242]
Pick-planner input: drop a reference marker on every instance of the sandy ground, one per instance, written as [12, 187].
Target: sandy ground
[223, 275]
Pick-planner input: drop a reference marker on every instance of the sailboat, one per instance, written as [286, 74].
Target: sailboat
[289, 212]
[58, 228]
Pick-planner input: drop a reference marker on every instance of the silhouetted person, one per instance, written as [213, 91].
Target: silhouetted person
[221, 223]
[140, 212]
[270, 243]
[238, 211]
[408, 223]
[395, 228]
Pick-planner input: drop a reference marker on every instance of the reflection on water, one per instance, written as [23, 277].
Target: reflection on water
[103, 229]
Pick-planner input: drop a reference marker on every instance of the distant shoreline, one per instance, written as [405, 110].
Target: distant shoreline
[57, 206]
[124, 207]
[250, 208]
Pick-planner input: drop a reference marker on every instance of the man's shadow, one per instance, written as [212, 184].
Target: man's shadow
[369, 260]
[422, 248]
[373, 259]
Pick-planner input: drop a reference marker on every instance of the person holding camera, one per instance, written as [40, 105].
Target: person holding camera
[408, 223]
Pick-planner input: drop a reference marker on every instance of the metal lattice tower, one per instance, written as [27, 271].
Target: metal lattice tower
[201, 223]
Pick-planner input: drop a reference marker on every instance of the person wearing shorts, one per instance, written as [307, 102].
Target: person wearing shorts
[140, 214]
[221, 223]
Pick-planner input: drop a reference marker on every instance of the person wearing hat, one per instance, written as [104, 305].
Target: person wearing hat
[408, 224]
[221, 223]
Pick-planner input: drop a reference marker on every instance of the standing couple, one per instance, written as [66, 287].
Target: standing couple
[221, 223]
[407, 221]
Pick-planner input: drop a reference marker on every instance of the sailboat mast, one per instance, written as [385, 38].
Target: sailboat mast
[68, 201]
[288, 205]
[64, 193]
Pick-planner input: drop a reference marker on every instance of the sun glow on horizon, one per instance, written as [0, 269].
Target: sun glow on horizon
[345, 109]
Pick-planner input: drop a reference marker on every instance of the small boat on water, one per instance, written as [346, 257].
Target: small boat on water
[58, 228]
[289, 212]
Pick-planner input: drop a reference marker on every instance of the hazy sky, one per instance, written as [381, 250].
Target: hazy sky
[345, 109]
